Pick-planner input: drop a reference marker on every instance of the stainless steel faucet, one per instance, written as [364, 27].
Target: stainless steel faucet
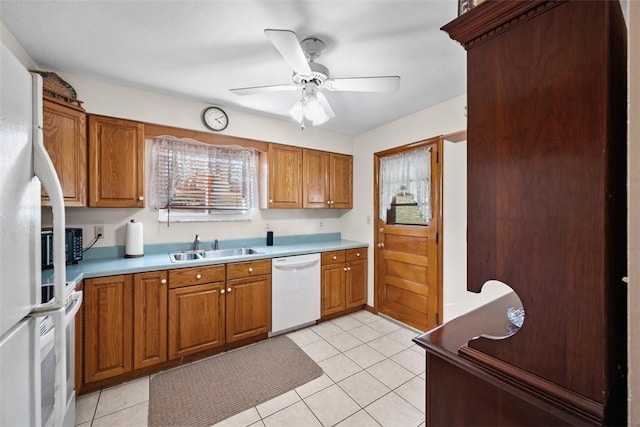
[196, 243]
[215, 245]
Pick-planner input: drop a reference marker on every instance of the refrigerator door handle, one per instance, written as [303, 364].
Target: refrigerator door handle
[43, 168]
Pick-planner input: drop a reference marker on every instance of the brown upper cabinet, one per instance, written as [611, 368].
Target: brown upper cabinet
[285, 176]
[328, 180]
[116, 163]
[65, 138]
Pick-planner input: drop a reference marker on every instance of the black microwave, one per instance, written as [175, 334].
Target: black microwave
[72, 246]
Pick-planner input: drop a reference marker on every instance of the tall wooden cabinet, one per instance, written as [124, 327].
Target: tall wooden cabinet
[546, 215]
[116, 163]
[64, 130]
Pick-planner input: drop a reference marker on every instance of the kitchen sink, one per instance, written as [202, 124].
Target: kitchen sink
[194, 255]
[221, 253]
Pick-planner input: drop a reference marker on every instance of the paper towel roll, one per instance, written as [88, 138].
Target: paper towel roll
[134, 245]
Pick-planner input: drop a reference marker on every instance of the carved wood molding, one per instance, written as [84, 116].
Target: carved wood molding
[536, 386]
[491, 18]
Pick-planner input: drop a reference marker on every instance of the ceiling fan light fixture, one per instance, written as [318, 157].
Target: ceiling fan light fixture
[309, 107]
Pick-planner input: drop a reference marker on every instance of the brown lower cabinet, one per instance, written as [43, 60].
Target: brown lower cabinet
[344, 280]
[140, 321]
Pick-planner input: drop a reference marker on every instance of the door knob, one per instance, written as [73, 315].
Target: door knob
[381, 245]
[381, 230]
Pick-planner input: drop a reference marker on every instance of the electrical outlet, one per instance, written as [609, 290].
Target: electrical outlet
[267, 227]
[321, 225]
[98, 230]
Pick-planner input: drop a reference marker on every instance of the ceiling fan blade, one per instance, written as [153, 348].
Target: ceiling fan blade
[365, 84]
[264, 89]
[286, 42]
[325, 104]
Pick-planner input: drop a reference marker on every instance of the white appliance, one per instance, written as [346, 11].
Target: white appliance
[295, 292]
[33, 384]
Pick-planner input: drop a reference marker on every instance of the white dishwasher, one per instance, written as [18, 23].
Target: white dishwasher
[295, 292]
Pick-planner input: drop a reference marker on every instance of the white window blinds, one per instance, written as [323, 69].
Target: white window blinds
[188, 174]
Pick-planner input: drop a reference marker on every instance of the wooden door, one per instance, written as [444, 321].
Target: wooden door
[64, 130]
[116, 163]
[196, 319]
[248, 307]
[315, 191]
[341, 181]
[408, 257]
[285, 176]
[149, 318]
[108, 309]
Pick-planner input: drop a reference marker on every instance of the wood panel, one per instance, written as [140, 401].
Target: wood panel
[149, 318]
[196, 275]
[64, 132]
[108, 328]
[285, 176]
[196, 319]
[315, 191]
[333, 289]
[248, 307]
[116, 162]
[239, 270]
[341, 181]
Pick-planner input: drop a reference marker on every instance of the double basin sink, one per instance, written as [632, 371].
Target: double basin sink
[194, 255]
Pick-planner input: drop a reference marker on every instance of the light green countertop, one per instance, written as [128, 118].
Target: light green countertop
[112, 260]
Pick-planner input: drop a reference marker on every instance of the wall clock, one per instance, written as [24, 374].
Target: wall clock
[215, 118]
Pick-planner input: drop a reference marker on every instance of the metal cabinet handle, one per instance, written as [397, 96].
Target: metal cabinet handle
[348, 268]
[270, 200]
[198, 276]
[222, 291]
[335, 257]
[163, 281]
[141, 198]
[345, 268]
[357, 254]
[229, 289]
[250, 269]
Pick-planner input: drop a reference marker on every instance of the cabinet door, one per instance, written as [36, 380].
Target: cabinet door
[116, 163]
[149, 318]
[196, 319]
[315, 191]
[64, 132]
[108, 309]
[356, 283]
[341, 181]
[248, 307]
[285, 176]
[333, 291]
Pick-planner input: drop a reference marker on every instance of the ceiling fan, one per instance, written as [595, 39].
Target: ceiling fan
[311, 77]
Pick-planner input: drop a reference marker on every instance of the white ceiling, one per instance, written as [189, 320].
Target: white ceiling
[200, 49]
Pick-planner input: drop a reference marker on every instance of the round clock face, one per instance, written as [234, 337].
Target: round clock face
[215, 118]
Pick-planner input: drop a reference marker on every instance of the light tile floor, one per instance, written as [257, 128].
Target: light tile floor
[373, 376]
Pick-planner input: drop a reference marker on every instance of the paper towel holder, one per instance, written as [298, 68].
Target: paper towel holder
[134, 247]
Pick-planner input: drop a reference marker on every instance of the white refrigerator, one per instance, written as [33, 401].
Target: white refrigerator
[24, 167]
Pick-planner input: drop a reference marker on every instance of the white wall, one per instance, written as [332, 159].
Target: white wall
[104, 98]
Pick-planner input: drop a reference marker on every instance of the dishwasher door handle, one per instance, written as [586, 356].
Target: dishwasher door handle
[299, 264]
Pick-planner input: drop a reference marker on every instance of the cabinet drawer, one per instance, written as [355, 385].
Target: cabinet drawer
[248, 268]
[196, 276]
[356, 254]
[333, 257]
